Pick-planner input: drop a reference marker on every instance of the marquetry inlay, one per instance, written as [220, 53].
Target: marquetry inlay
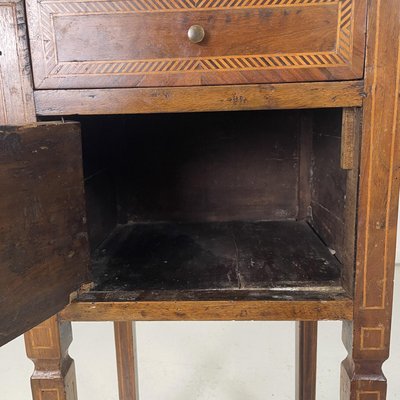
[372, 338]
[340, 56]
[368, 395]
[41, 337]
[49, 394]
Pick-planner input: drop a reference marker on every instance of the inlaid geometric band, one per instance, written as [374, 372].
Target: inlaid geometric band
[338, 57]
[197, 64]
[94, 6]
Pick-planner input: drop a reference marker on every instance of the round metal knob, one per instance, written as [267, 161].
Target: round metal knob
[196, 33]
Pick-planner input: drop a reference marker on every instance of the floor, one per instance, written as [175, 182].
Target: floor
[202, 361]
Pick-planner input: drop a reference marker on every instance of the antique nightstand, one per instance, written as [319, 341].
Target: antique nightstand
[228, 160]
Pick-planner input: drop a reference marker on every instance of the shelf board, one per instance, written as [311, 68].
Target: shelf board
[213, 271]
[274, 256]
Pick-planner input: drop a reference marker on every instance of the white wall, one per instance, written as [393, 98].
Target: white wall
[199, 361]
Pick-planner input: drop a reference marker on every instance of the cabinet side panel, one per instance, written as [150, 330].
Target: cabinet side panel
[328, 186]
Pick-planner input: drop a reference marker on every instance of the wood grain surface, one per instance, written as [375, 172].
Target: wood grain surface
[16, 93]
[198, 99]
[54, 375]
[267, 310]
[126, 355]
[133, 43]
[43, 251]
[367, 338]
[306, 360]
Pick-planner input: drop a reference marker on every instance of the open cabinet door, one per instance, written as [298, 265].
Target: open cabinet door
[43, 238]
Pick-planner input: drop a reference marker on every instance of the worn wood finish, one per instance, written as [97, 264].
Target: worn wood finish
[145, 44]
[54, 374]
[305, 158]
[43, 251]
[125, 349]
[173, 310]
[328, 184]
[16, 94]
[350, 128]
[167, 256]
[351, 121]
[367, 338]
[206, 167]
[306, 360]
[195, 99]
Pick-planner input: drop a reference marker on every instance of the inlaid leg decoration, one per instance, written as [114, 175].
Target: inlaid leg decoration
[367, 338]
[362, 376]
[306, 360]
[125, 347]
[54, 374]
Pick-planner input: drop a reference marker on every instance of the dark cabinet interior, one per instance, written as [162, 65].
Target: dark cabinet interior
[226, 205]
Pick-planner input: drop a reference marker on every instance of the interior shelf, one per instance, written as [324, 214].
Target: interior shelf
[216, 260]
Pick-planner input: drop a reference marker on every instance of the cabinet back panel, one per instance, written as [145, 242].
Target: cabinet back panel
[207, 167]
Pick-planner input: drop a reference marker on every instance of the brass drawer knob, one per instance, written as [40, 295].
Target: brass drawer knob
[196, 33]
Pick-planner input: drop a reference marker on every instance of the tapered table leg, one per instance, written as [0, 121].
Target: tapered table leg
[125, 346]
[54, 374]
[306, 359]
[367, 337]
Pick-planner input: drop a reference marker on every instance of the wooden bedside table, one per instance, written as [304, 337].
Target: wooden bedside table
[161, 203]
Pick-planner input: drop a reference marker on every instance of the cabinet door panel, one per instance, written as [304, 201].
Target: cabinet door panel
[43, 246]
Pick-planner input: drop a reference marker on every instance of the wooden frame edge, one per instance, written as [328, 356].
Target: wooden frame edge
[204, 98]
[268, 310]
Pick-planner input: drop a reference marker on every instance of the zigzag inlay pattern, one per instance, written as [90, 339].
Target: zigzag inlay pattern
[121, 6]
[345, 38]
[200, 64]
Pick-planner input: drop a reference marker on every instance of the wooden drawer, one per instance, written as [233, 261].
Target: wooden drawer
[89, 44]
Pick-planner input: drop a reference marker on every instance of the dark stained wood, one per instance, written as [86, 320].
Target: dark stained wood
[54, 375]
[137, 43]
[267, 310]
[16, 94]
[367, 338]
[207, 167]
[306, 360]
[100, 193]
[291, 294]
[305, 158]
[205, 256]
[328, 184]
[125, 349]
[101, 207]
[43, 251]
[194, 99]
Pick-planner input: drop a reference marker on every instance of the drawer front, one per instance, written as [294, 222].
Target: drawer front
[89, 44]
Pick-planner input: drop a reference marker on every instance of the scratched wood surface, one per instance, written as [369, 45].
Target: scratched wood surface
[145, 43]
[16, 92]
[199, 98]
[230, 255]
[43, 251]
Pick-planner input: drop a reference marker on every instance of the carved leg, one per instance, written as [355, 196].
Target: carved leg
[362, 377]
[54, 374]
[306, 360]
[125, 346]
